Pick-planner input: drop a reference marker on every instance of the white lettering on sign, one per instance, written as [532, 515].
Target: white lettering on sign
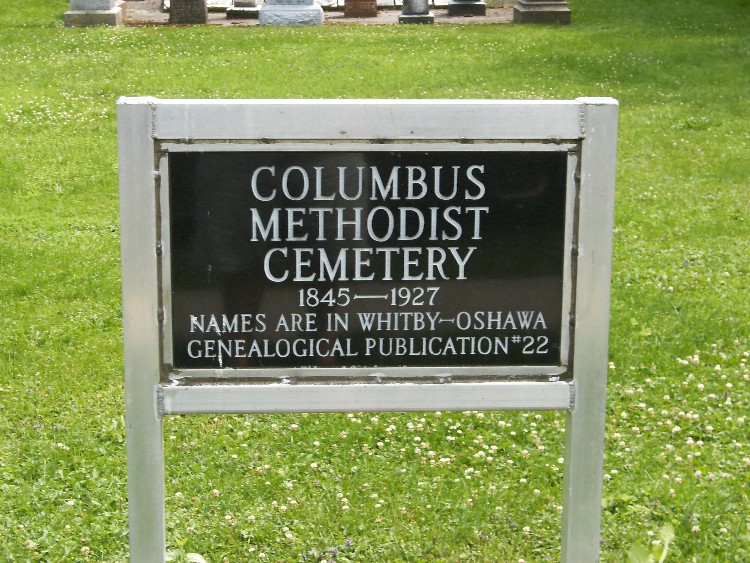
[294, 183]
[324, 262]
[378, 224]
[514, 326]
[354, 264]
[266, 348]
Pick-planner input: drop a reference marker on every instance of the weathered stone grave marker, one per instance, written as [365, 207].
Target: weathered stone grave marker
[291, 12]
[243, 9]
[360, 8]
[467, 8]
[86, 13]
[541, 11]
[416, 11]
[188, 12]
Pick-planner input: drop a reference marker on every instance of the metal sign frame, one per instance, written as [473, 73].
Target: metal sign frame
[148, 129]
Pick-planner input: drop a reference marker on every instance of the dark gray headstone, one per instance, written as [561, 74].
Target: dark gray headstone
[541, 11]
[416, 11]
[188, 11]
[243, 9]
[467, 8]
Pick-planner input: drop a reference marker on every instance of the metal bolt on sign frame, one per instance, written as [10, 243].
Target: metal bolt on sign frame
[150, 131]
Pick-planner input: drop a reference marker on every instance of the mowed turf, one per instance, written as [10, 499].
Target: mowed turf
[385, 487]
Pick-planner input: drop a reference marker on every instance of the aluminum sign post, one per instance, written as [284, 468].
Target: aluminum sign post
[584, 447]
[141, 310]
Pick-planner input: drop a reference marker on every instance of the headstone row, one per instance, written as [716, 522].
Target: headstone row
[85, 13]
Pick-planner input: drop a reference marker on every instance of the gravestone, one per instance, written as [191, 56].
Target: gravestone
[86, 13]
[416, 11]
[188, 11]
[243, 9]
[218, 5]
[291, 12]
[541, 11]
[467, 8]
[360, 8]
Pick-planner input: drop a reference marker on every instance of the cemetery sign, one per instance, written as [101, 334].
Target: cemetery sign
[380, 258]
[366, 255]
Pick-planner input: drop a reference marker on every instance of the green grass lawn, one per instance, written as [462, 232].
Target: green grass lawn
[386, 487]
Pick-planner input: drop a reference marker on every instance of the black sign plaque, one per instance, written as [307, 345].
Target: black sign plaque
[299, 259]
